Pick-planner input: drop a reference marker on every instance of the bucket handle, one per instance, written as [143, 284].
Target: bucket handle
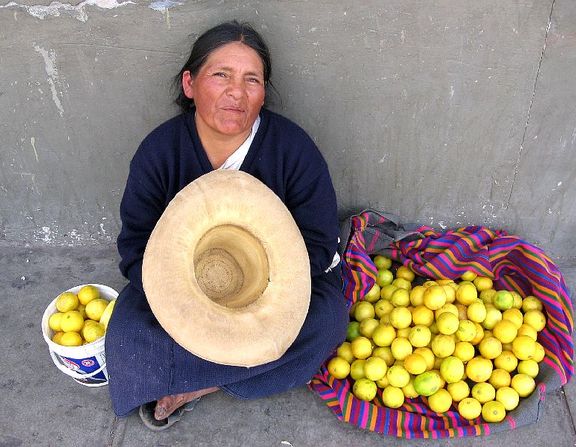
[71, 373]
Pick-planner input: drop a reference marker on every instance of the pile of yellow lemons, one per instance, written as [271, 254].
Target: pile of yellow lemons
[80, 318]
[461, 345]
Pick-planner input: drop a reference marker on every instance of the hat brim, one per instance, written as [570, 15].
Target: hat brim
[237, 207]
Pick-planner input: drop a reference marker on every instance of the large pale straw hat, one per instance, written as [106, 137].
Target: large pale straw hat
[226, 271]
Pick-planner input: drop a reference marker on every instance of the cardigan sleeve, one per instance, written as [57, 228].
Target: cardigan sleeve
[311, 199]
[141, 207]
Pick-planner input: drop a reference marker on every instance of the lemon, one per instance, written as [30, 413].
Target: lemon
[529, 367]
[367, 326]
[382, 383]
[450, 293]
[82, 309]
[373, 294]
[499, 378]
[415, 364]
[402, 283]
[466, 330]
[71, 321]
[523, 384]
[428, 356]
[505, 330]
[508, 397]
[361, 347]
[529, 331]
[468, 275]
[466, 293]
[493, 316]
[479, 369]
[364, 309]
[385, 353]
[469, 408]
[452, 369]
[383, 335]
[476, 311]
[398, 376]
[442, 345]
[479, 334]
[57, 337]
[419, 336]
[382, 262]
[506, 361]
[375, 368]
[539, 353]
[517, 300]
[536, 319]
[503, 300]
[54, 321]
[400, 317]
[447, 323]
[458, 390]
[531, 303]
[515, 316]
[406, 273]
[382, 307]
[107, 314]
[357, 369]
[429, 283]
[92, 332]
[400, 297]
[464, 351]
[387, 291]
[71, 339]
[482, 283]
[490, 348]
[462, 311]
[427, 383]
[487, 296]
[87, 294]
[392, 396]
[401, 348]
[433, 329]
[338, 367]
[353, 330]
[384, 277]
[440, 401]
[434, 297]
[523, 347]
[417, 296]
[345, 351]
[409, 390]
[483, 392]
[493, 411]
[364, 389]
[66, 301]
[95, 308]
[421, 315]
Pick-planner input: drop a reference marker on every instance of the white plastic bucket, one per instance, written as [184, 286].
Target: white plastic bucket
[86, 364]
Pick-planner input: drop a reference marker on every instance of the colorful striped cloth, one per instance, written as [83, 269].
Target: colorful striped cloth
[511, 262]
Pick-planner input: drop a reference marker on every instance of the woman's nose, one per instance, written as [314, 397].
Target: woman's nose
[236, 88]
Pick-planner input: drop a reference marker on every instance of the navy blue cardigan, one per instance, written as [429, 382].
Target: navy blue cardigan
[281, 155]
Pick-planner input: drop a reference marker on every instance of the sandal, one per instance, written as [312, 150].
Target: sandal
[146, 413]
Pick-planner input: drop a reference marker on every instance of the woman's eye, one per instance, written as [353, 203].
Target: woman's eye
[220, 74]
[254, 80]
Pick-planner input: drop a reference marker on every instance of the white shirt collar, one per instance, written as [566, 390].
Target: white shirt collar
[235, 160]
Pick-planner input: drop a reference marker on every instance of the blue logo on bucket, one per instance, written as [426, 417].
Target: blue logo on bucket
[86, 366]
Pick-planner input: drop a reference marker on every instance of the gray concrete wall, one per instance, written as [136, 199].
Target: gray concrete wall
[447, 113]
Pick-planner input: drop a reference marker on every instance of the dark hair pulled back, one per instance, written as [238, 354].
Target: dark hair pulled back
[213, 39]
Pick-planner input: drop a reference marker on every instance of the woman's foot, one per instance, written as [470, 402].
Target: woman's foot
[168, 404]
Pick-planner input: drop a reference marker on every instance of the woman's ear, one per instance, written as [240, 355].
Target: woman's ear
[188, 84]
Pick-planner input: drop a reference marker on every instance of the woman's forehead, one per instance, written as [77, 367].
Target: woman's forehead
[235, 55]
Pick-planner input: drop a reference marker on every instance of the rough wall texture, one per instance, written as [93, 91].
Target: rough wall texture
[446, 113]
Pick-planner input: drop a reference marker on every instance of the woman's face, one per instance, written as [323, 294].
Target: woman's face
[228, 90]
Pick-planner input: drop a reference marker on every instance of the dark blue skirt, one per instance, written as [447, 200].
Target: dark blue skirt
[145, 364]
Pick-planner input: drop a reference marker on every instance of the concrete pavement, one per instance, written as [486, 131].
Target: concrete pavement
[43, 407]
